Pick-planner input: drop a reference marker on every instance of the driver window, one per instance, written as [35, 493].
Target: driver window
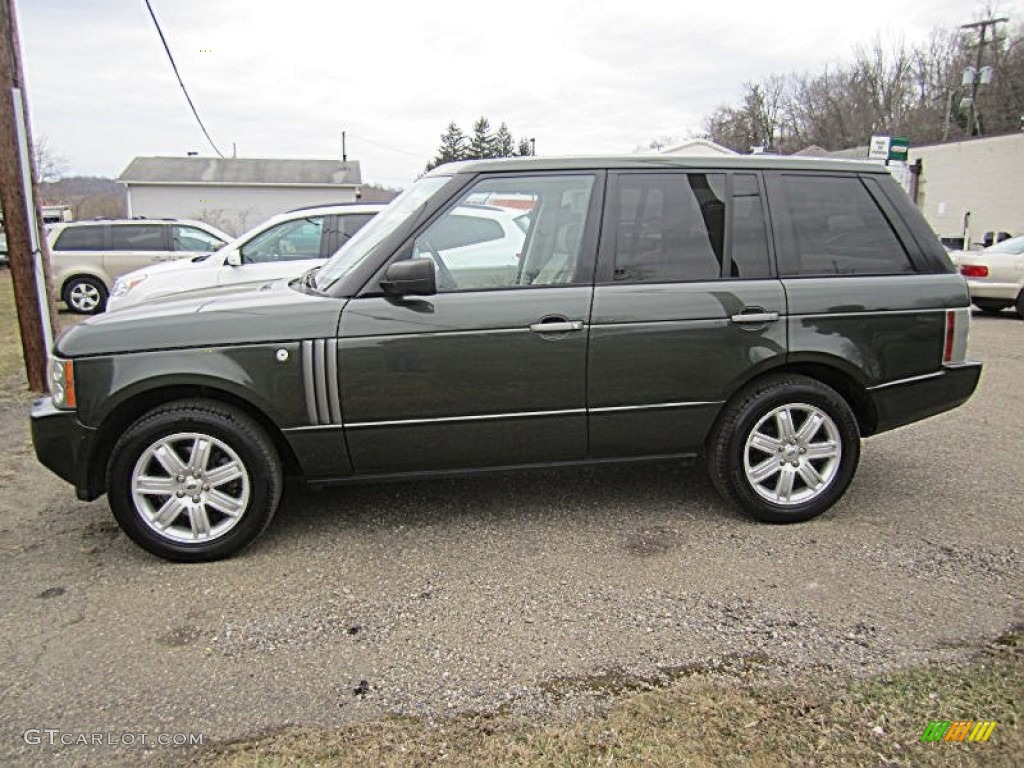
[510, 233]
[288, 241]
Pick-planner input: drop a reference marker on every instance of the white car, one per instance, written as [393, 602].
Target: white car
[995, 275]
[284, 246]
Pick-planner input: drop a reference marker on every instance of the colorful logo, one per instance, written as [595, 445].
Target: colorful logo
[958, 730]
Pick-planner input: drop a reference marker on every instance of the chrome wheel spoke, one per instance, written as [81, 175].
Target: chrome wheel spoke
[224, 474]
[784, 422]
[828, 450]
[765, 443]
[224, 503]
[168, 459]
[168, 513]
[810, 427]
[200, 521]
[810, 475]
[784, 486]
[155, 486]
[764, 470]
[200, 455]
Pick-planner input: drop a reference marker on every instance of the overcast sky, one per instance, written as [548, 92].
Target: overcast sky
[282, 79]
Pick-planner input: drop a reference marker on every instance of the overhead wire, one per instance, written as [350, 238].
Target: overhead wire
[180, 81]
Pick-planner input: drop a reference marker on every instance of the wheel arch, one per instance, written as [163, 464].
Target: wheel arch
[131, 408]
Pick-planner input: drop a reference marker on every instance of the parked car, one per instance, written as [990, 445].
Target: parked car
[995, 275]
[763, 313]
[283, 246]
[87, 256]
[4, 258]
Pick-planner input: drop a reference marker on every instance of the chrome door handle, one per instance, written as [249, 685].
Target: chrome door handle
[755, 317]
[558, 327]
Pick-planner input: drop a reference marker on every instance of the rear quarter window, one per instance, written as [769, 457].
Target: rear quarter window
[831, 225]
[80, 239]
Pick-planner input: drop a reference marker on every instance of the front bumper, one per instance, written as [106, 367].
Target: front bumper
[64, 446]
[904, 402]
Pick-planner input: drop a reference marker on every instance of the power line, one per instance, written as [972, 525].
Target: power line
[180, 82]
[385, 146]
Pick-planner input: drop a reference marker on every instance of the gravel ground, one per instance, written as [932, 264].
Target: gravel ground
[542, 593]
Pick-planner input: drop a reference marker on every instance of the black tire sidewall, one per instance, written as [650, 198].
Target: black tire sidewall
[263, 494]
[95, 283]
[783, 393]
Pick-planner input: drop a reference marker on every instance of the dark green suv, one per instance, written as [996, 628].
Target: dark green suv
[762, 313]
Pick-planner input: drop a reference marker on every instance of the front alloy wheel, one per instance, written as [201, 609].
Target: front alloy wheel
[194, 480]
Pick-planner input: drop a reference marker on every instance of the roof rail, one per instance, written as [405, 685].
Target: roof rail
[332, 205]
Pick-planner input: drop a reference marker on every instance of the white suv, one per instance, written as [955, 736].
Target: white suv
[285, 245]
[88, 256]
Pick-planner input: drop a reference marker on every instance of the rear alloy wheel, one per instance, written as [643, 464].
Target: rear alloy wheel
[194, 481]
[991, 306]
[785, 449]
[85, 295]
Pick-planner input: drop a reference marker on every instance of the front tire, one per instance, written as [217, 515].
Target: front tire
[85, 295]
[194, 481]
[785, 449]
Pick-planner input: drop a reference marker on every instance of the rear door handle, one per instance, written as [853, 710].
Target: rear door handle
[755, 317]
[557, 326]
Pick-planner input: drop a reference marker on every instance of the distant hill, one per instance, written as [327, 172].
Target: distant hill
[89, 196]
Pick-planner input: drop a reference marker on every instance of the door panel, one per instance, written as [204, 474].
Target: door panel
[664, 358]
[459, 380]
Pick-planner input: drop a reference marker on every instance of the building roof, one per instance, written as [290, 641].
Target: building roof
[698, 148]
[240, 170]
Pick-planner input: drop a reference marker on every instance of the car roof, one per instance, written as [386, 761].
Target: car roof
[658, 162]
[327, 210]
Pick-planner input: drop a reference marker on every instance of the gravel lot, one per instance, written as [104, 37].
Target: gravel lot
[542, 593]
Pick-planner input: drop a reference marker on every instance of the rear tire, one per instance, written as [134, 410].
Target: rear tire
[991, 306]
[785, 449]
[1020, 305]
[85, 295]
[194, 480]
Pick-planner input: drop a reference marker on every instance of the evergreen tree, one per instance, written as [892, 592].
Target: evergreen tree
[453, 147]
[481, 146]
[503, 144]
[525, 148]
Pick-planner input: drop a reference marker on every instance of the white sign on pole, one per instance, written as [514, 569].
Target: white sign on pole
[879, 148]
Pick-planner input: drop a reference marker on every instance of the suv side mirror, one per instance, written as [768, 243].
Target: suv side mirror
[411, 277]
[234, 258]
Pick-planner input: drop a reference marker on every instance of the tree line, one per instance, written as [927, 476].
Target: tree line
[888, 89]
[482, 144]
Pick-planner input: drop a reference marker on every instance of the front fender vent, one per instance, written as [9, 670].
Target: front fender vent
[320, 381]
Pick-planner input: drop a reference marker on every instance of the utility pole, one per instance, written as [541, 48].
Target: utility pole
[29, 264]
[982, 27]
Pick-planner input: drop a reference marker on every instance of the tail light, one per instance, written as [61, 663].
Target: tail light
[974, 270]
[954, 349]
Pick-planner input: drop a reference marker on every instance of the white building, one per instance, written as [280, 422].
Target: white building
[234, 193]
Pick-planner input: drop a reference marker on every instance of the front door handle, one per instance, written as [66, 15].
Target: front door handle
[755, 317]
[557, 326]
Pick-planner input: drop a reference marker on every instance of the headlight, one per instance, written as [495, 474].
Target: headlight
[62, 383]
[124, 284]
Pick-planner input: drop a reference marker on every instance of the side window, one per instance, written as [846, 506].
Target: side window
[835, 228]
[192, 239]
[351, 223]
[137, 237]
[287, 241]
[668, 227]
[484, 242]
[80, 239]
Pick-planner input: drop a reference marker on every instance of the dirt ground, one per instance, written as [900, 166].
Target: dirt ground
[503, 593]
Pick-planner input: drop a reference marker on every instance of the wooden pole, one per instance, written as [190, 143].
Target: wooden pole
[18, 223]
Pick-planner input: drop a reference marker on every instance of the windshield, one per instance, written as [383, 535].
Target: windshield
[382, 225]
[1013, 245]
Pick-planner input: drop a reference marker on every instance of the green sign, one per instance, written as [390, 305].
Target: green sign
[898, 148]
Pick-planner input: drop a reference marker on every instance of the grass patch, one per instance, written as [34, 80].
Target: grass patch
[701, 720]
[10, 339]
